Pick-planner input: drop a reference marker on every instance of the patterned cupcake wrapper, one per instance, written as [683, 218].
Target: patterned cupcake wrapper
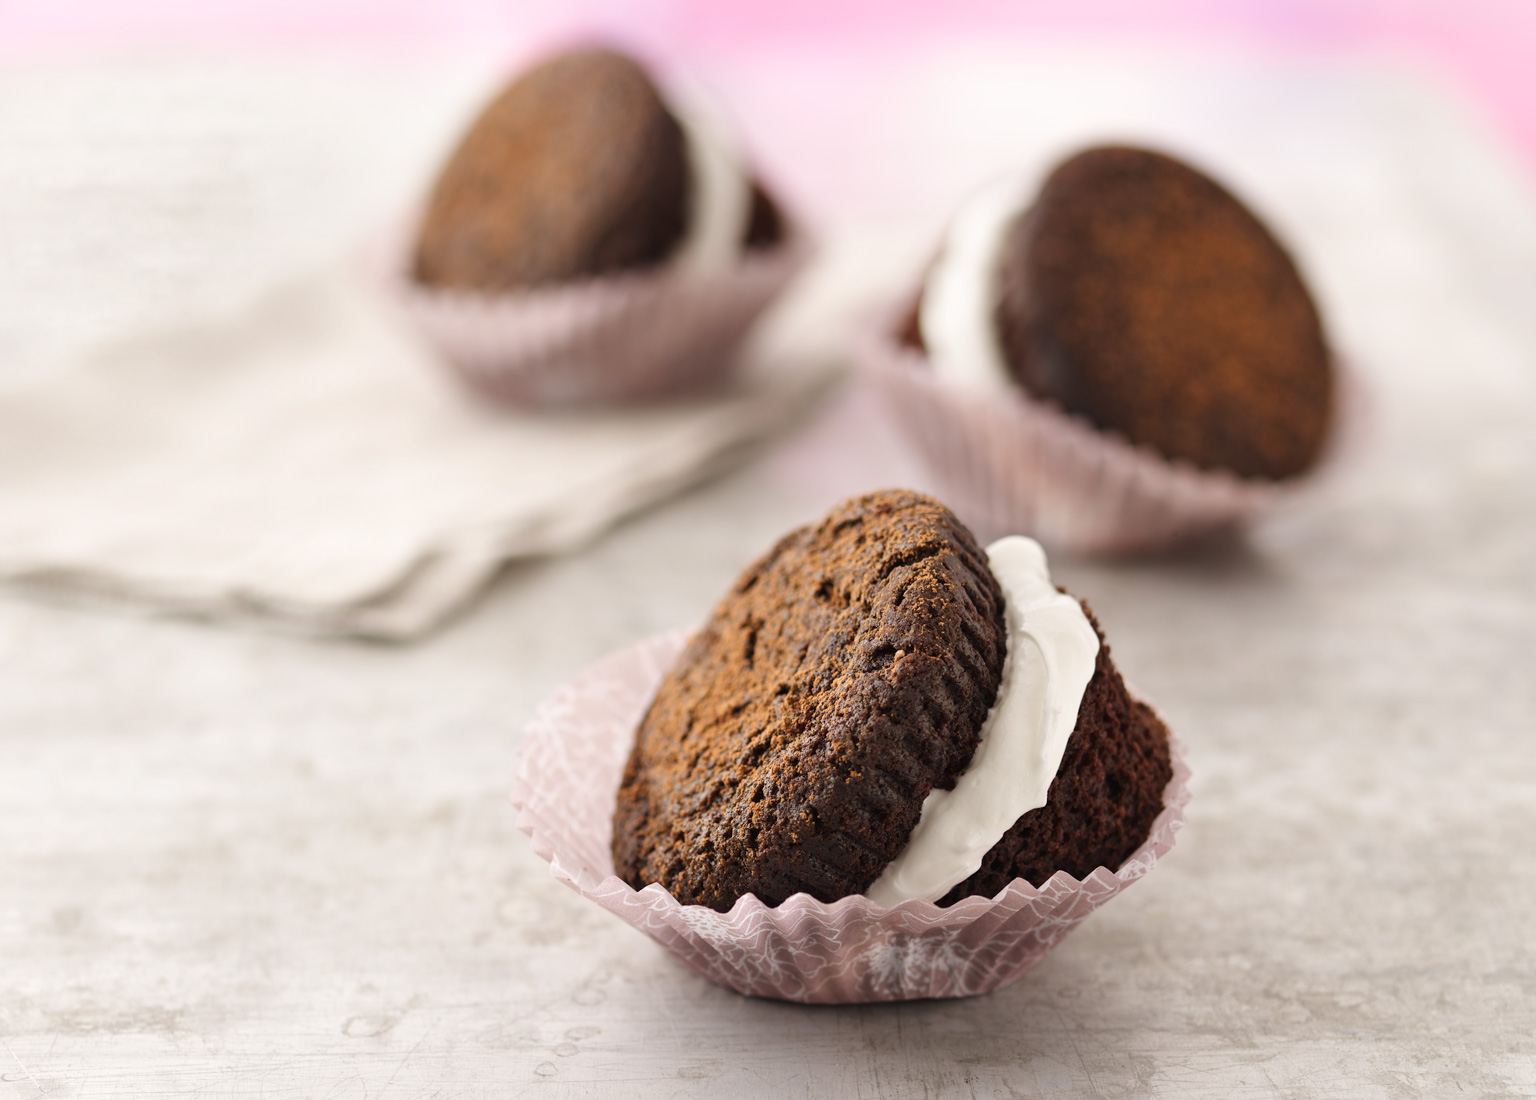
[1010, 464]
[603, 340]
[849, 951]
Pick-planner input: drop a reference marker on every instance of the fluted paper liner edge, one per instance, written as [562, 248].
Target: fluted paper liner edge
[849, 951]
[611, 338]
[1010, 464]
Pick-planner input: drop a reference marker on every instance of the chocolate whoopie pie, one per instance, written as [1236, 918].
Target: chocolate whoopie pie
[578, 168]
[846, 675]
[1139, 294]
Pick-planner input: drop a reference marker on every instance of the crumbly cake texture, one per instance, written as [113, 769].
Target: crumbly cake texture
[845, 675]
[576, 169]
[1141, 295]
[1101, 805]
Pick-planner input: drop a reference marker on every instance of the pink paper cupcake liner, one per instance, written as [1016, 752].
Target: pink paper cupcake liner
[1011, 464]
[849, 951]
[601, 340]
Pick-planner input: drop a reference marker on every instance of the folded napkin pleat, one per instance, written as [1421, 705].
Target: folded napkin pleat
[306, 463]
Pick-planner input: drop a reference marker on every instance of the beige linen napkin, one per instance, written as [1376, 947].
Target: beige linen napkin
[306, 463]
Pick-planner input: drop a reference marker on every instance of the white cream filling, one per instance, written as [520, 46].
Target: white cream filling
[721, 202]
[961, 293]
[1051, 653]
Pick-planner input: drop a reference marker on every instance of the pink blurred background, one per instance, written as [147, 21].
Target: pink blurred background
[1483, 47]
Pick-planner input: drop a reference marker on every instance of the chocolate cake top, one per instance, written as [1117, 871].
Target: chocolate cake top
[1139, 294]
[576, 169]
[845, 675]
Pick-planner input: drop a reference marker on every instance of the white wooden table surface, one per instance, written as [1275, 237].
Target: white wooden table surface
[234, 864]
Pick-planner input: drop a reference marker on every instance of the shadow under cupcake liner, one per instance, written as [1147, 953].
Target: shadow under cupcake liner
[848, 951]
[1010, 464]
[611, 338]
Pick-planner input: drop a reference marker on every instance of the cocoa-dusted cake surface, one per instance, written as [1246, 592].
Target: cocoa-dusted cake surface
[844, 676]
[578, 168]
[1141, 295]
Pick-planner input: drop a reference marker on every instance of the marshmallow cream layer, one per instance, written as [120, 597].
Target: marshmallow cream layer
[961, 293]
[1051, 653]
[722, 191]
